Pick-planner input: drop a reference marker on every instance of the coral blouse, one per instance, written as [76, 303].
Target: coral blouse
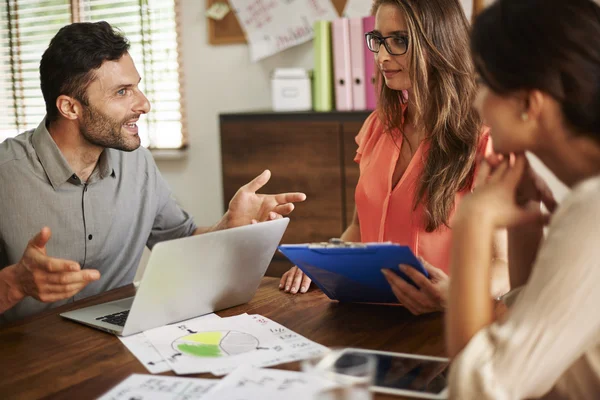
[388, 214]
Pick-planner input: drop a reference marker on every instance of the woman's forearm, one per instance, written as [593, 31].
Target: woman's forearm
[470, 306]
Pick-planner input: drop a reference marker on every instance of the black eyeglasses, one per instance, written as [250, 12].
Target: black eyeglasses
[396, 45]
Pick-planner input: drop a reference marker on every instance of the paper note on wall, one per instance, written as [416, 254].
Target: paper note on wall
[275, 25]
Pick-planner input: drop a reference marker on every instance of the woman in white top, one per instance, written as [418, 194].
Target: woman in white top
[539, 67]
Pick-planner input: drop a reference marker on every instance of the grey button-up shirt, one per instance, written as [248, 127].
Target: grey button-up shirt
[103, 223]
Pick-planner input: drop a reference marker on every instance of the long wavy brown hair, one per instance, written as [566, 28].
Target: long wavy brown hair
[442, 94]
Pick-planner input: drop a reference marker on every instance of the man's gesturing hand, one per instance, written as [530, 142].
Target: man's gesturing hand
[49, 279]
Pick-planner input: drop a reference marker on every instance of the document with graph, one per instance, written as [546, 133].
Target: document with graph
[219, 346]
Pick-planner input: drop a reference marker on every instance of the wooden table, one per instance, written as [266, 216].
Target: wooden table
[48, 356]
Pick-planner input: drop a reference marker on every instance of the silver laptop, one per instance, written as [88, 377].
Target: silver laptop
[189, 277]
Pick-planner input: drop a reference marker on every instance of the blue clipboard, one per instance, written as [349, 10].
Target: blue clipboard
[351, 272]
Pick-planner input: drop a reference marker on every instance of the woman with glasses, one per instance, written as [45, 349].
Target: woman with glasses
[417, 152]
[539, 63]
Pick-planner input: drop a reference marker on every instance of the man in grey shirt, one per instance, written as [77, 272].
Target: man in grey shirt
[83, 174]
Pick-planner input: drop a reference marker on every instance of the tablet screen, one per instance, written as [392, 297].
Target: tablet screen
[414, 374]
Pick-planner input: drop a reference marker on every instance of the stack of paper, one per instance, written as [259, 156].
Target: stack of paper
[219, 345]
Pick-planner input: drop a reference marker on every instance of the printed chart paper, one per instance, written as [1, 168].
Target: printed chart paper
[222, 344]
[301, 347]
[295, 347]
[219, 346]
[146, 354]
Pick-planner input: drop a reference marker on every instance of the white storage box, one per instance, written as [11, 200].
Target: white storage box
[291, 89]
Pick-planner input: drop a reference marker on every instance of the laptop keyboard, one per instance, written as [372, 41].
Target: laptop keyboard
[118, 318]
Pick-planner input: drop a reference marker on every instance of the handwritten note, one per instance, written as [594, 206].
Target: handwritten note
[275, 25]
[139, 386]
[247, 383]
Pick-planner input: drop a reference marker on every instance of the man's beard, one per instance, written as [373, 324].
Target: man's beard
[103, 131]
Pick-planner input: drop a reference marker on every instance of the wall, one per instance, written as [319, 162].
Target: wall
[217, 79]
[222, 79]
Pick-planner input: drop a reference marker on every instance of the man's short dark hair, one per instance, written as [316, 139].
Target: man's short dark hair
[68, 64]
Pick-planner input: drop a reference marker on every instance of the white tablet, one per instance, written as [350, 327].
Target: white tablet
[403, 374]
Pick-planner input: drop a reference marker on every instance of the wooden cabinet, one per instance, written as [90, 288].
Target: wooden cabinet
[307, 152]
[350, 169]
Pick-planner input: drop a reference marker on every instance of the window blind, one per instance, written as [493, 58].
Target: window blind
[27, 26]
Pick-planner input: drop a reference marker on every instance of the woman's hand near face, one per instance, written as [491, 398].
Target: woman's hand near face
[507, 194]
[524, 240]
[431, 295]
[531, 187]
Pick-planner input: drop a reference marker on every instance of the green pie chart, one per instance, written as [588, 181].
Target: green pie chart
[216, 344]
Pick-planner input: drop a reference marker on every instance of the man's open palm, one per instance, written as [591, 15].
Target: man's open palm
[247, 206]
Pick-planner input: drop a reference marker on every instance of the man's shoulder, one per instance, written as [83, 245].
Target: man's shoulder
[15, 149]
